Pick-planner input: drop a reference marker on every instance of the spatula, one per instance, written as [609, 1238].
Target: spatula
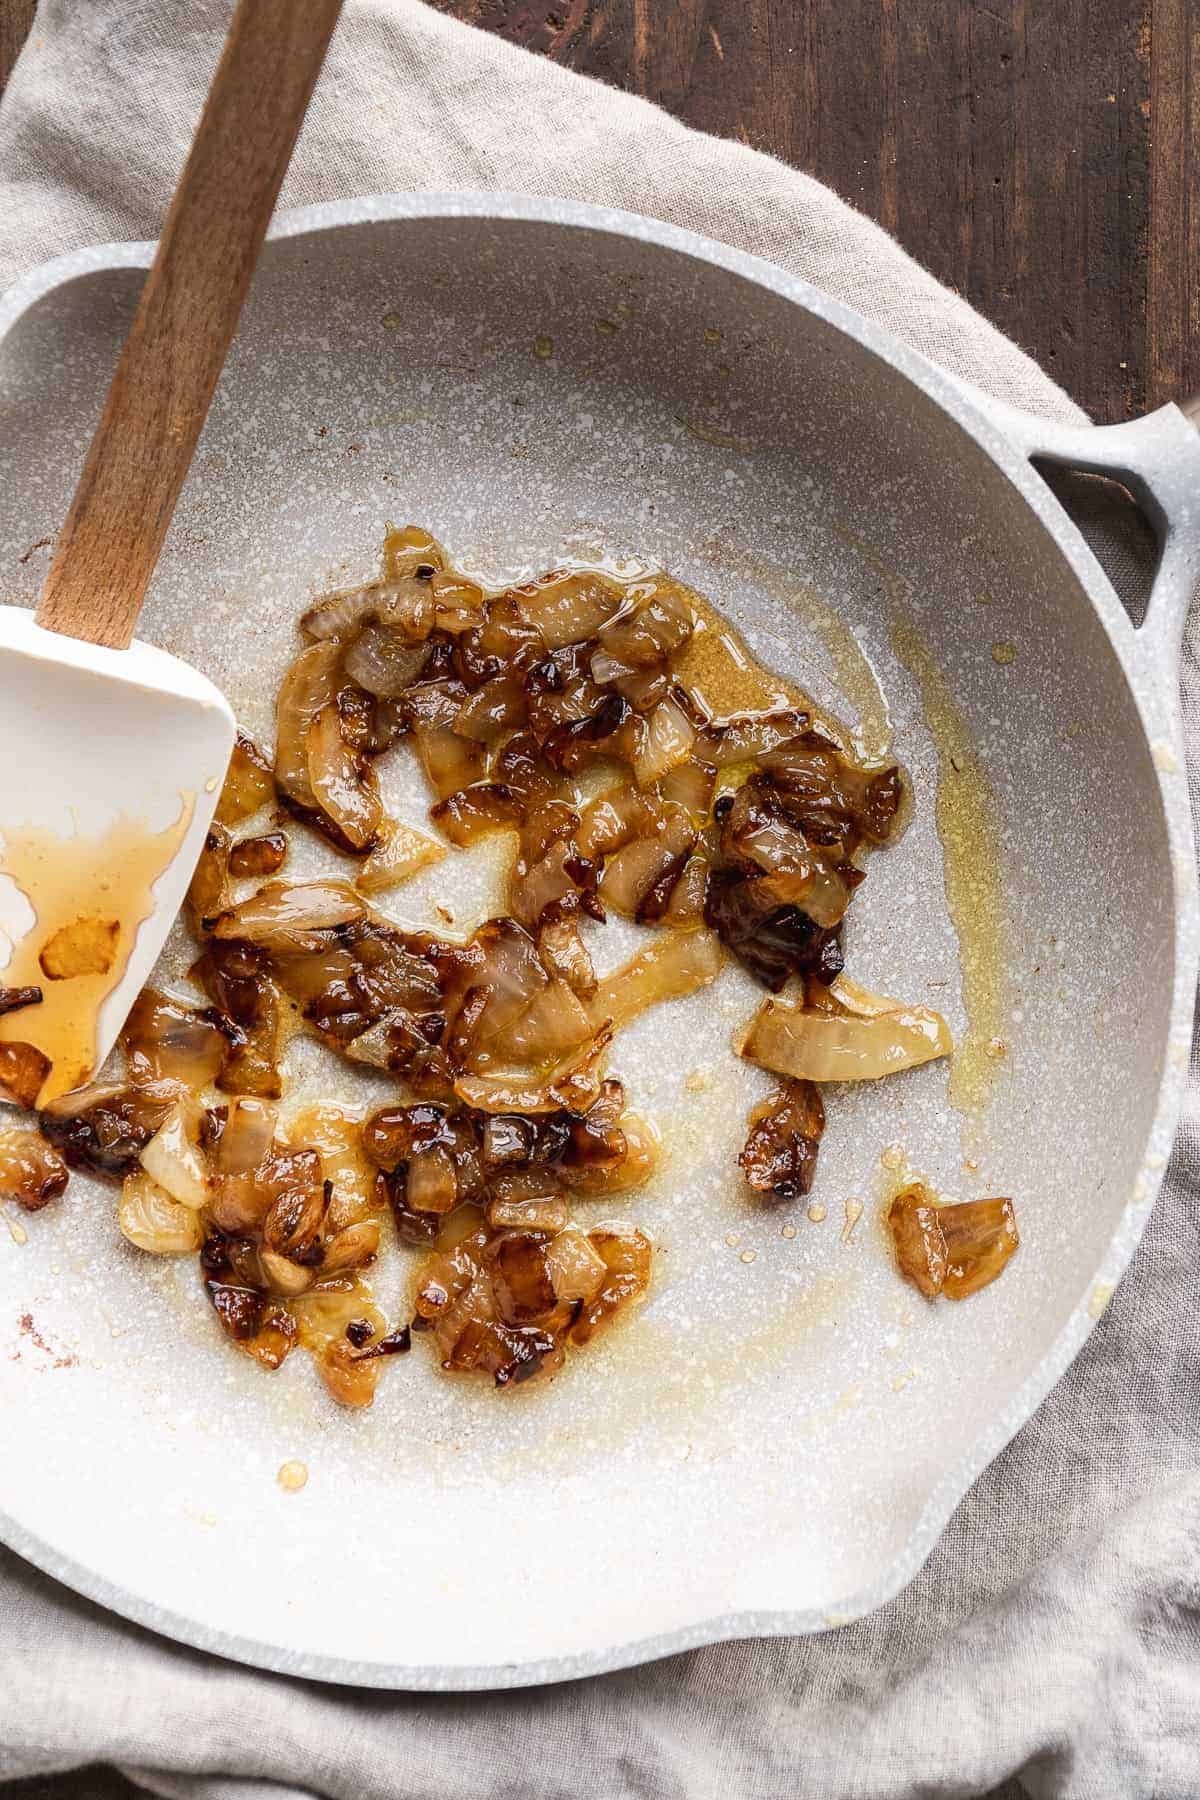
[112, 752]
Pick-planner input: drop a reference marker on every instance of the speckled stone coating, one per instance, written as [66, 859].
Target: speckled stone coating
[775, 1441]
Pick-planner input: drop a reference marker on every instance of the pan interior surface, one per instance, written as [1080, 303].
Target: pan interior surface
[763, 1436]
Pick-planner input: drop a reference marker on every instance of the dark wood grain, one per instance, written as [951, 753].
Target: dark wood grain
[1040, 156]
[16, 16]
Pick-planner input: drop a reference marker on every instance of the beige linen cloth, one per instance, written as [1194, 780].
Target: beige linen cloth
[1051, 1646]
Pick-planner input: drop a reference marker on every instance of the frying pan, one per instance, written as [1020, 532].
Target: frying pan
[775, 1441]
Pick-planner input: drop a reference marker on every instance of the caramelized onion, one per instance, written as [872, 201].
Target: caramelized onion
[779, 1157]
[449, 761]
[568, 608]
[104, 1129]
[31, 1170]
[675, 965]
[980, 1236]
[249, 783]
[254, 856]
[955, 1248]
[917, 1239]
[209, 893]
[285, 918]
[173, 1159]
[571, 1086]
[153, 1220]
[400, 853]
[665, 744]
[164, 1040]
[838, 1046]
[340, 781]
[310, 685]
[383, 662]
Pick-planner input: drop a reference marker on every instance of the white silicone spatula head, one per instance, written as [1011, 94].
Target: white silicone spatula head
[112, 752]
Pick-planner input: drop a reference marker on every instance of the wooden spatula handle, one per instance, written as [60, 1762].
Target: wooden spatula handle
[185, 319]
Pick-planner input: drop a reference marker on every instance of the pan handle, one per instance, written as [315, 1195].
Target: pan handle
[1158, 459]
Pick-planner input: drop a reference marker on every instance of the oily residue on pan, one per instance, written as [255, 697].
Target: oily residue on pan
[968, 826]
[107, 880]
[851, 667]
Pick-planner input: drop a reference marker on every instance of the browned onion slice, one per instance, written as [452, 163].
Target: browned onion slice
[340, 781]
[678, 963]
[284, 918]
[310, 684]
[570, 1087]
[837, 1045]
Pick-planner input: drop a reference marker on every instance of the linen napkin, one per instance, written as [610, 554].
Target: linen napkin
[1051, 1646]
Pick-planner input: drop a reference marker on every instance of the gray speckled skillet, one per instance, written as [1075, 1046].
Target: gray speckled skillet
[774, 1444]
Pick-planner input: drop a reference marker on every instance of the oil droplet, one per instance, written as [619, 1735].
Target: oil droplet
[392, 321]
[892, 1156]
[789, 1231]
[748, 1256]
[732, 1239]
[854, 1211]
[543, 347]
[292, 1477]
[210, 786]
[1099, 1298]
[1004, 654]
[712, 335]
[817, 1213]
[967, 822]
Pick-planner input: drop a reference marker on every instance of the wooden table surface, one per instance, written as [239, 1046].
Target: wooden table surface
[1040, 156]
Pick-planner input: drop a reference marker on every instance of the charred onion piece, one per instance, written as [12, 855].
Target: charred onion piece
[107, 1126]
[13, 999]
[779, 1158]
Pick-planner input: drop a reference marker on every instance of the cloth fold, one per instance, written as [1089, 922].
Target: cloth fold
[1053, 1639]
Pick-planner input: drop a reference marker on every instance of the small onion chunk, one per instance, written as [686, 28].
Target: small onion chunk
[31, 1170]
[151, 1219]
[400, 853]
[174, 1160]
[952, 1249]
